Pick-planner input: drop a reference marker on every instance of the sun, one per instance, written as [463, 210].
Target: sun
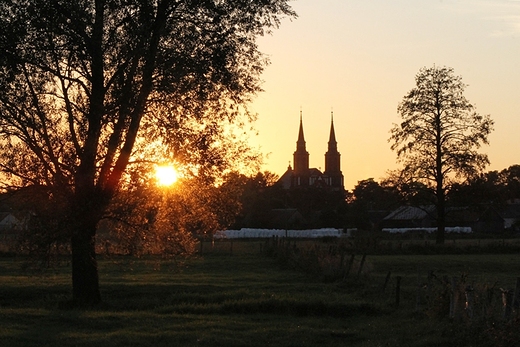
[166, 175]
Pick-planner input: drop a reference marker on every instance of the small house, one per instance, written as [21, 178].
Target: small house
[410, 217]
[490, 221]
[511, 216]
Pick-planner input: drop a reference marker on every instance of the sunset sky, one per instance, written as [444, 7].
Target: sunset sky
[360, 57]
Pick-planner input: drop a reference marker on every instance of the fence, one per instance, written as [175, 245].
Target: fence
[459, 298]
[269, 233]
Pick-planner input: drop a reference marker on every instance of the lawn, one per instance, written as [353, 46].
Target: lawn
[238, 297]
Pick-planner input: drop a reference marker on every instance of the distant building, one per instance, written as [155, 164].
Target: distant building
[511, 215]
[304, 177]
[477, 218]
[410, 217]
[8, 221]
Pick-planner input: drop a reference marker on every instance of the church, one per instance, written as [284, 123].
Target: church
[301, 176]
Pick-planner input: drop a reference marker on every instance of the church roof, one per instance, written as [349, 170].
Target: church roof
[286, 179]
[314, 172]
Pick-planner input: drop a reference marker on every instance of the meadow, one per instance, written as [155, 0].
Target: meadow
[234, 294]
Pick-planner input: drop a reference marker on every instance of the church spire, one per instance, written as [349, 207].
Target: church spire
[300, 144]
[301, 156]
[333, 145]
[333, 160]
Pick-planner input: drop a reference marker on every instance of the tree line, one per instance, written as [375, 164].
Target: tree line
[353, 208]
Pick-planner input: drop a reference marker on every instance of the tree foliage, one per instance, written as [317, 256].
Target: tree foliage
[259, 195]
[439, 135]
[168, 221]
[369, 197]
[372, 195]
[84, 83]
[495, 188]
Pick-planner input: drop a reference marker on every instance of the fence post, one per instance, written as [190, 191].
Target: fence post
[418, 293]
[429, 288]
[507, 300]
[470, 299]
[341, 260]
[488, 300]
[350, 263]
[453, 297]
[386, 280]
[397, 291]
[361, 264]
[516, 297]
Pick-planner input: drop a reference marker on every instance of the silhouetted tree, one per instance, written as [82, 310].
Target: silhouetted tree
[490, 188]
[370, 199]
[374, 196]
[413, 193]
[483, 190]
[439, 135]
[83, 83]
[169, 221]
[510, 179]
[259, 196]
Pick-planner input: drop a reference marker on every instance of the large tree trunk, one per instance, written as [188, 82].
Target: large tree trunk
[439, 173]
[441, 228]
[85, 280]
[441, 216]
[87, 212]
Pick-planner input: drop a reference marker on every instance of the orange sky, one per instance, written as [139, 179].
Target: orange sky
[360, 58]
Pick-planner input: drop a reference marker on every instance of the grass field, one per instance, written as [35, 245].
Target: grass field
[239, 297]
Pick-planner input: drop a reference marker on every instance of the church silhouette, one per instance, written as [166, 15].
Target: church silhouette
[304, 177]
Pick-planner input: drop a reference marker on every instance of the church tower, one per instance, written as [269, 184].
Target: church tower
[301, 176]
[301, 156]
[333, 175]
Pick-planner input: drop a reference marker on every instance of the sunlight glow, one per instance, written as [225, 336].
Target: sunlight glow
[166, 175]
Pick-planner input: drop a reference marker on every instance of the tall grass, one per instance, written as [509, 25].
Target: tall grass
[234, 295]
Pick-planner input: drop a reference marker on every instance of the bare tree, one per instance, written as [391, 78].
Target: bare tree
[439, 135]
[83, 81]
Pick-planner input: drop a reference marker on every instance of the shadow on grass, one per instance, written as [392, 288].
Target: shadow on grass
[204, 299]
[213, 301]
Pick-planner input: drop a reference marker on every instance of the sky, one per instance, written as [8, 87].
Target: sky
[359, 58]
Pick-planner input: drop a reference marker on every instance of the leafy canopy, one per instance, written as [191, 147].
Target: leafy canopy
[86, 84]
[440, 132]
